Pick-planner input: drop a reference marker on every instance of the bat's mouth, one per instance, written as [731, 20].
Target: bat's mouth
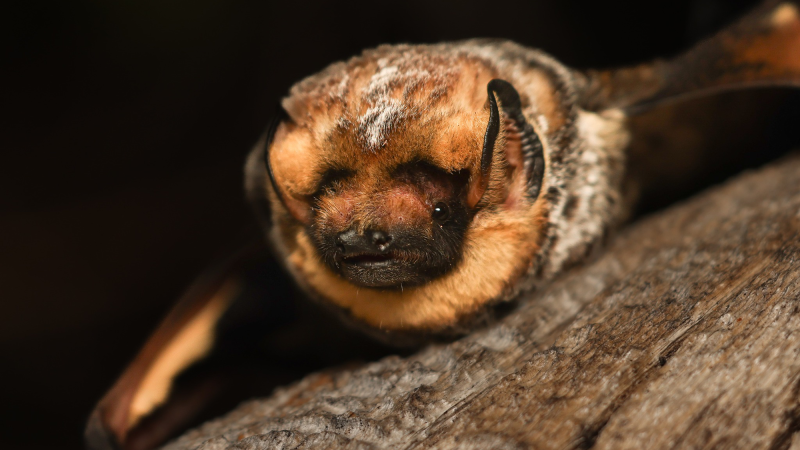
[370, 259]
[406, 259]
[390, 270]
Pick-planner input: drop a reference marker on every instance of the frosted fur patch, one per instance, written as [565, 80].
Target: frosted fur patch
[386, 110]
[372, 95]
[377, 123]
[380, 82]
[341, 88]
[594, 191]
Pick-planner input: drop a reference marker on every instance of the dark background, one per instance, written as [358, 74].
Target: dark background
[125, 127]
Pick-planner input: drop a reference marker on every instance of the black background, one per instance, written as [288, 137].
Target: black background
[125, 127]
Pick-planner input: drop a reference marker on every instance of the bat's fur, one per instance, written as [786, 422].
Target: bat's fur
[400, 103]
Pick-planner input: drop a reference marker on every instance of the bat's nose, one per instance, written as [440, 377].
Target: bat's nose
[351, 242]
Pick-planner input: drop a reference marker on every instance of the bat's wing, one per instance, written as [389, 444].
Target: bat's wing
[213, 317]
[240, 331]
[761, 49]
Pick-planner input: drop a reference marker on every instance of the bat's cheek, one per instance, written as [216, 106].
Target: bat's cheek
[335, 213]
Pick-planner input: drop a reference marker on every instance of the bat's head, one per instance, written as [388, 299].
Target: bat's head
[376, 164]
[387, 222]
[404, 184]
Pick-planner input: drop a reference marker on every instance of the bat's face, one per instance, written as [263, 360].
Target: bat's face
[380, 180]
[390, 224]
[405, 184]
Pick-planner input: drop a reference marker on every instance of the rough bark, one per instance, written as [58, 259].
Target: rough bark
[685, 333]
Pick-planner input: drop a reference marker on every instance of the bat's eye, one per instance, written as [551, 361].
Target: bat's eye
[440, 212]
[332, 181]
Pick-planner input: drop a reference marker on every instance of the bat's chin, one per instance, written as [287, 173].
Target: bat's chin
[382, 271]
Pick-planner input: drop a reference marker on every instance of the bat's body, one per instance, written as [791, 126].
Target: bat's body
[413, 187]
[397, 106]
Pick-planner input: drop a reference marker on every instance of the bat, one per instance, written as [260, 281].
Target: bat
[414, 189]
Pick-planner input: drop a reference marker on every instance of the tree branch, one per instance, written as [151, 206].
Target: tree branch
[685, 333]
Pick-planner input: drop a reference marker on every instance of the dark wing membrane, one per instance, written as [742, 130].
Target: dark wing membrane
[761, 49]
[209, 316]
[239, 332]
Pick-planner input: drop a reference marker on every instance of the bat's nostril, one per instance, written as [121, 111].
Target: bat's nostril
[349, 242]
[381, 240]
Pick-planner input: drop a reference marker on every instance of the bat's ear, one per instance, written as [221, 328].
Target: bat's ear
[761, 49]
[522, 146]
[299, 208]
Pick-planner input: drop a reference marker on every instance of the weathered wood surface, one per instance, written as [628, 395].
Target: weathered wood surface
[685, 333]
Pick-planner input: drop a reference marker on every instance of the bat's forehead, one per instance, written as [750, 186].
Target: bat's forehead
[376, 93]
[392, 105]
